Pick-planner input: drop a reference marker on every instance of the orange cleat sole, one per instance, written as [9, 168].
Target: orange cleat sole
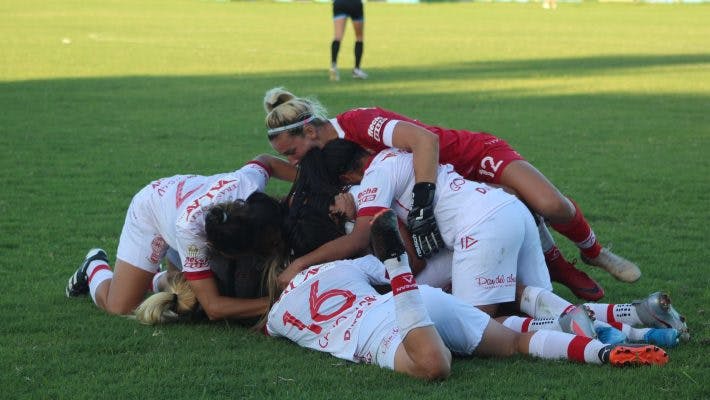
[627, 355]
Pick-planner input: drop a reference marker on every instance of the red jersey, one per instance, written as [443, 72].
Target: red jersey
[477, 156]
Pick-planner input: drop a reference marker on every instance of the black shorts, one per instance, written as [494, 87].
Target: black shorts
[348, 8]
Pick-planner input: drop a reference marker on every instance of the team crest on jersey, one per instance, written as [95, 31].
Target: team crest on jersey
[376, 127]
[192, 250]
[467, 242]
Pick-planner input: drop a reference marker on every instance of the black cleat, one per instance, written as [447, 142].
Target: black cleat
[78, 284]
[384, 236]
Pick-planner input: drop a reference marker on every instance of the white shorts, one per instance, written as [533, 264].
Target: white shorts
[496, 254]
[378, 336]
[437, 272]
[141, 245]
[460, 326]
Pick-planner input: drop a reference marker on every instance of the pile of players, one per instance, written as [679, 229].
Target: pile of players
[399, 245]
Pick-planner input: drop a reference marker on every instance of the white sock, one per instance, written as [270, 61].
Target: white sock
[155, 283]
[553, 345]
[542, 303]
[98, 272]
[408, 303]
[522, 324]
[622, 313]
[546, 238]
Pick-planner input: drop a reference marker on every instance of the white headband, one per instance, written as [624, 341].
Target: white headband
[298, 124]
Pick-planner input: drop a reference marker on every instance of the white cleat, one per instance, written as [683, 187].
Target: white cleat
[334, 74]
[619, 267]
[359, 74]
[656, 311]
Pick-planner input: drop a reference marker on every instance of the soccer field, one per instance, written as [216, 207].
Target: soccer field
[98, 98]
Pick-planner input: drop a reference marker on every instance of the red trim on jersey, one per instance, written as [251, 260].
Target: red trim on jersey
[403, 283]
[196, 276]
[575, 349]
[610, 314]
[617, 325]
[97, 269]
[526, 325]
[262, 165]
[370, 211]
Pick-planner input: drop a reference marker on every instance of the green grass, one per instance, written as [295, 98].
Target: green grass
[610, 101]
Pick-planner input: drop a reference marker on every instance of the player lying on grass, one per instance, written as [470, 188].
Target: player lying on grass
[295, 125]
[495, 246]
[333, 307]
[203, 218]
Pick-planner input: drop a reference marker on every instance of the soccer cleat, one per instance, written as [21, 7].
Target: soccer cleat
[610, 335]
[666, 337]
[78, 284]
[624, 355]
[619, 267]
[577, 320]
[384, 236]
[334, 74]
[656, 311]
[578, 282]
[359, 74]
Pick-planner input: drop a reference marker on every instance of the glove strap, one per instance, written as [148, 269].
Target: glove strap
[423, 194]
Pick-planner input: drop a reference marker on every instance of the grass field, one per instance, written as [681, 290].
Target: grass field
[97, 98]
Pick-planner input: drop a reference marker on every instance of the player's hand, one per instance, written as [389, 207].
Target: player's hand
[287, 274]
[422, 225]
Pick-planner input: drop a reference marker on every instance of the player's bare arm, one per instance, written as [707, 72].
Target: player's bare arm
[220, 307]
[424, 147]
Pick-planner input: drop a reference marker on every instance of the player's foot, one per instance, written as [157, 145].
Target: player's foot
[78, 284]
[578, 282]
[610, 335]
[359, 74]
[656, 311]
[577, 320]
[384, 236]
[619, 267]
[333, 74]
[633, 354]
[666, 337]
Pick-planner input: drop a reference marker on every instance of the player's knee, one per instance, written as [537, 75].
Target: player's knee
[557, 209]
[437, 365]
[119, 309]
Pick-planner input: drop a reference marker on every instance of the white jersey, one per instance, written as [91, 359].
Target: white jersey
[323, 307]
[459, 204]
[178, 203]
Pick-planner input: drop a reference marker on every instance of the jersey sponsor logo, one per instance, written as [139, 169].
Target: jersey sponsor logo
[196, 263]
[375, 128]
[467, 242]
[495, 281]
[180, 197]
[211, 193]
[366, 195]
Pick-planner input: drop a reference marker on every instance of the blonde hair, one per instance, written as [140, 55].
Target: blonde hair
[167, 306]
[287, 113]
[273, 267]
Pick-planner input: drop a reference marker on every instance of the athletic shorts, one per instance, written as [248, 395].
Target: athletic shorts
[348, 8]
[141, 245]
[495, 156]
[460, 326]
[494, 255]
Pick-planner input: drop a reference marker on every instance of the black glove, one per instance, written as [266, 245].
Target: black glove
[421, 222]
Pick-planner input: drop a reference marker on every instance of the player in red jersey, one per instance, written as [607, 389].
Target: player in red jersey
[296, 125]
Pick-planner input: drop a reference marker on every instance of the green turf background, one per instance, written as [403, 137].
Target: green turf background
[97, 98]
